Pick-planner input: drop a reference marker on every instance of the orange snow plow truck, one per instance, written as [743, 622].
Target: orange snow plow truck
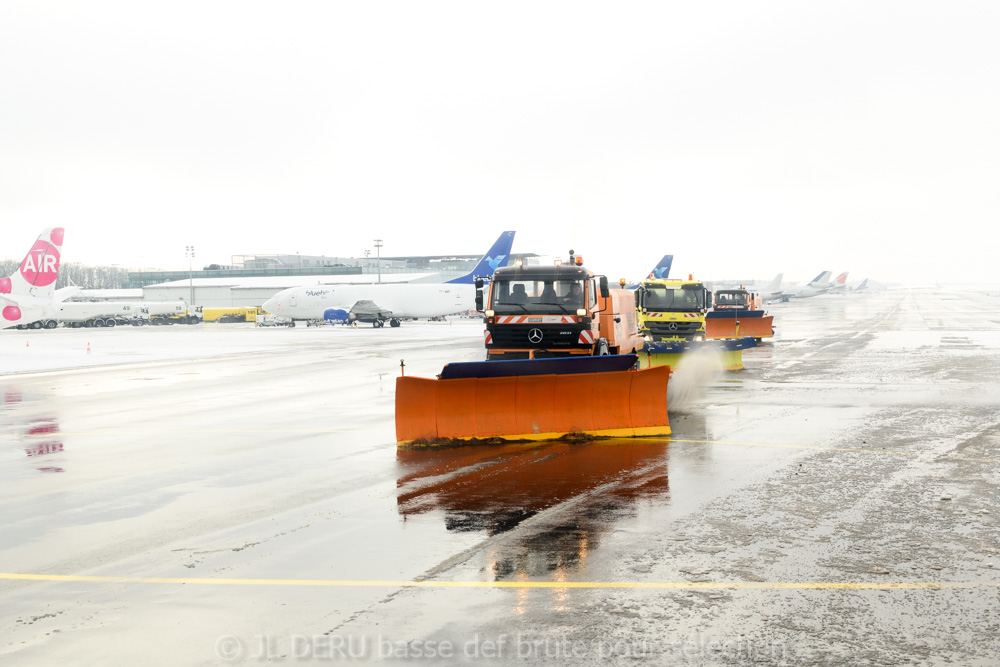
[560, 363]
[738, 312]
[539, 312]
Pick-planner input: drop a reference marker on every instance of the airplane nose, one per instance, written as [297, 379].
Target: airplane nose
[270, 306]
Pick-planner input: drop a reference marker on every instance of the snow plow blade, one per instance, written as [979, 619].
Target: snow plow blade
[540, 399]
[673, 353]
[738, 323]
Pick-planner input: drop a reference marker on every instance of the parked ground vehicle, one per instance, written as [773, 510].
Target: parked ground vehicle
[102, 313]
[173, 312]
[268, 320]
[535, 312]
[230, 315]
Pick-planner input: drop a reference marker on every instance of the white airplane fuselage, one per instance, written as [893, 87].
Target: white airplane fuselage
[401, 301]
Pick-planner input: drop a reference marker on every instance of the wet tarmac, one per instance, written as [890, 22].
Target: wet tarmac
[224, 495]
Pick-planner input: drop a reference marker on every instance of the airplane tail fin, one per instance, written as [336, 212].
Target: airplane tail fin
[775, 284]
[841, 279]
[37, 274]
[662, 269]
[821, 279]
[863, 285]
[494, 258]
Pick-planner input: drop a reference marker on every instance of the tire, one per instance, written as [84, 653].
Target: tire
[36, 325]
[378, 324]
[110, 323]
[51, 324]
[394, 322]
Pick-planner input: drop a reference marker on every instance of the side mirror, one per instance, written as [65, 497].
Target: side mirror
[479, 283]
[638, 298]
[604, 287]
[479, 300]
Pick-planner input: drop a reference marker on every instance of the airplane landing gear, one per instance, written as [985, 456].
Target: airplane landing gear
[378, 324]
[394, 322]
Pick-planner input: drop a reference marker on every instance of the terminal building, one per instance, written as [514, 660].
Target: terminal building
[250, 280]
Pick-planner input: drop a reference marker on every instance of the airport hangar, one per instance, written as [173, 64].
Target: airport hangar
[253, 279]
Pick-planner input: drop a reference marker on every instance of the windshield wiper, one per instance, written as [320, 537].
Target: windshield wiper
[553, 303]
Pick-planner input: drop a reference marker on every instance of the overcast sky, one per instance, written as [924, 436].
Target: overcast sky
[744, 138]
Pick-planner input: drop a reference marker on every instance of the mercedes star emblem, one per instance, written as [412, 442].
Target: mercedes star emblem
[535, 336]
[672, 326]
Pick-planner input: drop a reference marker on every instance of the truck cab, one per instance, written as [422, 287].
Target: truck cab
[671, 309]
[535, 312]
[737, 299]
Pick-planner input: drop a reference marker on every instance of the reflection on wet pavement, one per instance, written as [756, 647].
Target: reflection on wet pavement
[29, 424]
[494, 489]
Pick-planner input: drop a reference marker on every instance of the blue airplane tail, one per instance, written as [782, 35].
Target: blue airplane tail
[662, 269]
[817, 278]
[494, 258]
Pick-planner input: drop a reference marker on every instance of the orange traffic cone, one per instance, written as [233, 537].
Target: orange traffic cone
[88, 347]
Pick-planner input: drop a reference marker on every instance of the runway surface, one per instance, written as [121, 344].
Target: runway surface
[222, 494]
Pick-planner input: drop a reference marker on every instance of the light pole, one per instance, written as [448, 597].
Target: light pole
[189, 252]
[378, 257]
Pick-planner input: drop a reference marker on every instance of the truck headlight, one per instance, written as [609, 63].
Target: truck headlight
[581, 312]
[489, 313]
[648, 338]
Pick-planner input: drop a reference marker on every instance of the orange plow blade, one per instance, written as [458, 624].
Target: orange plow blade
[532, 403]
[731, 327]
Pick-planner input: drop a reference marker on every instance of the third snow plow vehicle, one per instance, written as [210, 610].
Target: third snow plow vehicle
[738, 312]
[563, 310]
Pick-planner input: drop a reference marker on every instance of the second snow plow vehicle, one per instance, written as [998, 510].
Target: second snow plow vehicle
[672, 322]
[563, 310]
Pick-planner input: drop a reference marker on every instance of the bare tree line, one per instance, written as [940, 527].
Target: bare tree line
[82, 275]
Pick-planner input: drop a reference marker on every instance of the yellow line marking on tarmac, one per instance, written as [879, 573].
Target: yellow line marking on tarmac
[639, 585]
[890, 452]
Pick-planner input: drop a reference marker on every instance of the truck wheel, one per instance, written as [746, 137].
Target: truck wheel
[51, 324]
[110, 323]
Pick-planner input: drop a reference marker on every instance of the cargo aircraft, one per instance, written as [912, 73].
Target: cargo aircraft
[28, 296]
[392, 303]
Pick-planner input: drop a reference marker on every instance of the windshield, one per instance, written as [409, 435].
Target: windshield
[678, 300]
[730, 298]
[511, 297]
